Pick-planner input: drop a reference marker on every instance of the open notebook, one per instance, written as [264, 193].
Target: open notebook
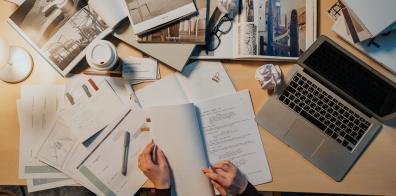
[193, 136]
[61, 30]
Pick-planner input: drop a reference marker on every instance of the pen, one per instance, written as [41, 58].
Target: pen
[126, 152]
[155, 154]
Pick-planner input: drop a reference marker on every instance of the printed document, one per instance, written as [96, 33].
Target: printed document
[36, 111]
[92, 115]
[103, 166]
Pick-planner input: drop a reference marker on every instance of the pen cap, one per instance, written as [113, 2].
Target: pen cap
[102, 55]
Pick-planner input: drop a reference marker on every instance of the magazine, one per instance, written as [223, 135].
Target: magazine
[265, 29]
[149, 15]
[189, 30]
[61, 30]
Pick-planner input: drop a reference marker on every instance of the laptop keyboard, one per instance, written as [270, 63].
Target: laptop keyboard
[324, 111]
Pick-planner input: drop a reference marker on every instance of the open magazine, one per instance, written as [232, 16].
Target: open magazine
[149, 15]
[266, 29]
[189, 30]
[61, 30]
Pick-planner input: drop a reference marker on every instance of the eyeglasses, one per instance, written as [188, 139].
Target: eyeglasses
[223, 27]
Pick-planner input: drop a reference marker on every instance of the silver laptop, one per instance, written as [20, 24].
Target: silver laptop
[330, 107]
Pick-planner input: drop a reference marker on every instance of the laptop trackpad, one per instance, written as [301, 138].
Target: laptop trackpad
[303, 137]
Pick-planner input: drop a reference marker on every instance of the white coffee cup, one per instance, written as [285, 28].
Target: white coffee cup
[102, 55]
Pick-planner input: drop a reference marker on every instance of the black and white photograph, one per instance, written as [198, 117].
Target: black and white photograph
[189, 30]
[247, 39]
[142, 10]
[147, 15]
[41, 19]
[74, 37]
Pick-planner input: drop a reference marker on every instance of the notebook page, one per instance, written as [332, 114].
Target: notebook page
[176, 131]
[163, 92]
[232, 134]
[203, 80]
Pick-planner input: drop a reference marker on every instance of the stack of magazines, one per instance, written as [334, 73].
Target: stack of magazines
[263, 30]
[370, 26]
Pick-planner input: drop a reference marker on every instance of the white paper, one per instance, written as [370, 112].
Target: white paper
[376, 16]
[231, 133]
[199, 81]
[103, 166]
[135, 68]
[34, 185]
[92, 115]
[36, 112]
[120, 86]
[175, 129]
[69, 152]
[204, 80]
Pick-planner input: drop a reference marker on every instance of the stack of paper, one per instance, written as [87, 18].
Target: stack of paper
[373, 34]
[36, 110]
[138, 70]
[93, 102]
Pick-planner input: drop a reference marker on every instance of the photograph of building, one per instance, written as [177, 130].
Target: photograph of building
[74, 37]
[41, 19]
[285, 28]
[142, 10]
[275, 27]
[247, 39]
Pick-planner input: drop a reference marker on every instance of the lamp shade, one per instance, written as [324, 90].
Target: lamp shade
[15, 63]
[4, 52]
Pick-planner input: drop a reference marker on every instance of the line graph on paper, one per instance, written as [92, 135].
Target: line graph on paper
[58, 145]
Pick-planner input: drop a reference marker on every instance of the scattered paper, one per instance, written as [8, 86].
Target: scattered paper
[92, 115]
[103, 166]
[36, 111]
[40, 184]
[75, 88]
[270, 76]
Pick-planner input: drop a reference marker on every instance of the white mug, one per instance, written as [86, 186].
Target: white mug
[102, 55]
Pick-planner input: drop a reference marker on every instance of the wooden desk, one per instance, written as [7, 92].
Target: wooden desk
[373, 174]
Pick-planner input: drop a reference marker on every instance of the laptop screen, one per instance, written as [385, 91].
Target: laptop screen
[354, 79]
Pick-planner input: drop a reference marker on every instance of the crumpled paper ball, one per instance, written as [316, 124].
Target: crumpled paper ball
[270, 76]
[229, 7]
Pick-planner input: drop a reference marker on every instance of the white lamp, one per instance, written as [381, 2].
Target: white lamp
[15, 63]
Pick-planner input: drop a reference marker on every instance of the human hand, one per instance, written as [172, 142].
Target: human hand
[226, 178]
[158, 173]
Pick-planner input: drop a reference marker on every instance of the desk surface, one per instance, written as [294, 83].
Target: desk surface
[374, 173]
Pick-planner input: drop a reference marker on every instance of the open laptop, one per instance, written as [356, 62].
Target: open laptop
[330, 107]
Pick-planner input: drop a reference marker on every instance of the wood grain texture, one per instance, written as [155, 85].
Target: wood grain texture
[373, 174]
